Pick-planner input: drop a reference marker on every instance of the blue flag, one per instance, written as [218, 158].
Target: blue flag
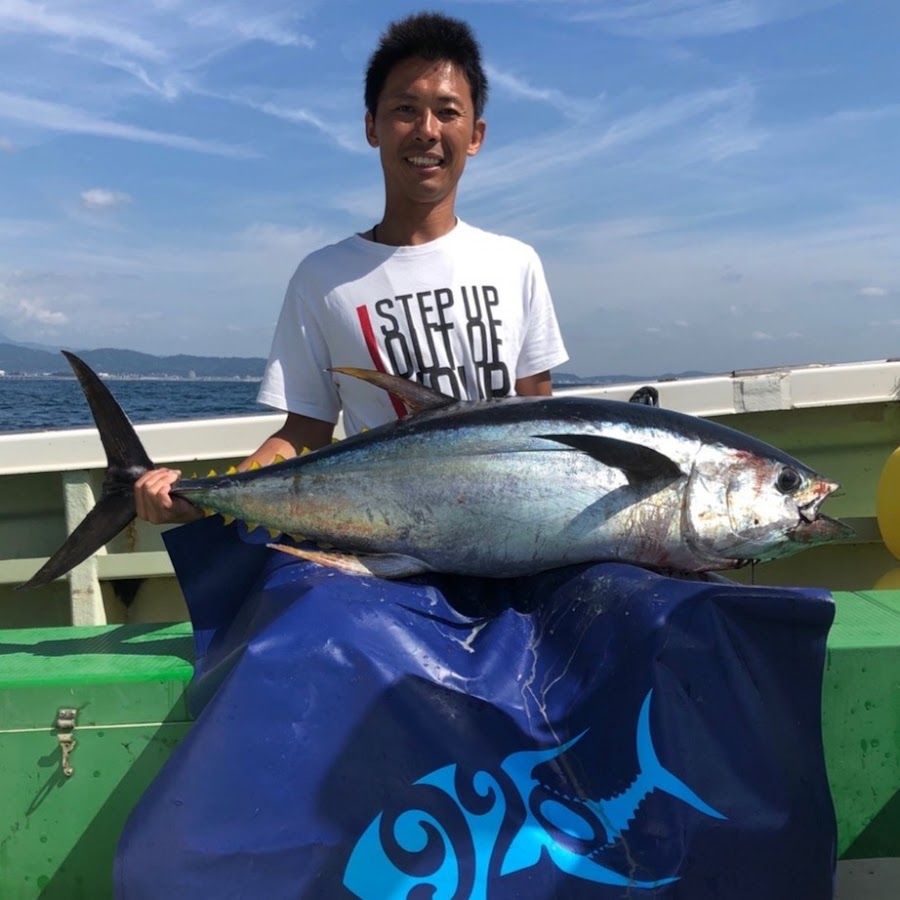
[594, 732]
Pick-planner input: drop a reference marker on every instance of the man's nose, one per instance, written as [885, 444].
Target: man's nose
[428, 126]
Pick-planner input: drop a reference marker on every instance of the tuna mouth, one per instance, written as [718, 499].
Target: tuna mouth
[810, 511]
[820, 530]
[815, 494]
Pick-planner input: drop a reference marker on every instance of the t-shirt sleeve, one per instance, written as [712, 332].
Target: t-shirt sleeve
[296, 378]
[542, 345]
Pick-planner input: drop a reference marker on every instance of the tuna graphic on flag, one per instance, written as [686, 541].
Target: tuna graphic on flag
[593, 732]
[571, 831]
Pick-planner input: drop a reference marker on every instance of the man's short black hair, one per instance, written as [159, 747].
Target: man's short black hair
[430, 36]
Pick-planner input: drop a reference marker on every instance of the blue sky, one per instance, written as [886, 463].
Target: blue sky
[712, 184]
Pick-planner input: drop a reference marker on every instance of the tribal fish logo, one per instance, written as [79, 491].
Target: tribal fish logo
[571, 832]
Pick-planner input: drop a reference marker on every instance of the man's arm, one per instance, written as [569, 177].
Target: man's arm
[154, 502]
[540, 385]
[296, 433]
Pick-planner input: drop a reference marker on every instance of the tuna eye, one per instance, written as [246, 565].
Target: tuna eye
[788, 481]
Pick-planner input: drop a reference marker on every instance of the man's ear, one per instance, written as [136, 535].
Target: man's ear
[477, 137]
[371, 137]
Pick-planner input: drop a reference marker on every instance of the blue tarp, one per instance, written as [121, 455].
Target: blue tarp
[595, 732]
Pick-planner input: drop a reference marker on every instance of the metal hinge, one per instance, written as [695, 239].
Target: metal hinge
[65, 732]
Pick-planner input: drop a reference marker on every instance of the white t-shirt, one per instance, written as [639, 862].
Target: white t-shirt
[466, 314]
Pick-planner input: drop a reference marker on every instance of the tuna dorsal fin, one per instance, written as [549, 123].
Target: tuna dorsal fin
[415, 397]
[639, 463]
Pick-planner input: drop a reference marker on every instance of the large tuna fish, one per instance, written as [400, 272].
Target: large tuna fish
[498, 488]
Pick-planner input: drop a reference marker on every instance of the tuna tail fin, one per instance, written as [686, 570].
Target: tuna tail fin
[416, 397]
[126, 461]
[659, 777]
[111, 514]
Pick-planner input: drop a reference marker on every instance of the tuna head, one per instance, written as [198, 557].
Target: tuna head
[741, 507]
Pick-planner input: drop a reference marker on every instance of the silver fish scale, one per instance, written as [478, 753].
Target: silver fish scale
[490, 500]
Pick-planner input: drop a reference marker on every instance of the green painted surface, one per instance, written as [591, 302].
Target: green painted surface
[58, 834]
[861, 722]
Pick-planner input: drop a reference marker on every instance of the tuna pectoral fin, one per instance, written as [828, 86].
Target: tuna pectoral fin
[381, 565]
[639, 463]
[102, 523]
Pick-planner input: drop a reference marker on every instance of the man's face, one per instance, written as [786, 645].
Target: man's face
[425, 129]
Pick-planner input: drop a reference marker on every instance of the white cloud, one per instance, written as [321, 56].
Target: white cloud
[685, 129]
[167, 86]
[6, 145]
[516, 86]
[156, 31]
[33, 309]
[56, 117]
[761, 336]
[343, 137]
[102, 198]
[672, 20]
[21, 306]
[872, 292]
[273, 29]
[24, 16]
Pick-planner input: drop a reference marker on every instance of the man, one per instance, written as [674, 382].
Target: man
[421, 294]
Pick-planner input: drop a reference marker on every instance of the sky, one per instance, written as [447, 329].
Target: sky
[712, 185]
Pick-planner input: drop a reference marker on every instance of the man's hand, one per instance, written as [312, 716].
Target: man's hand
[154, 502]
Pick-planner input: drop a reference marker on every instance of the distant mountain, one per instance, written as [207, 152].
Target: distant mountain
[34, 359]
[49, 348]
[19, 359]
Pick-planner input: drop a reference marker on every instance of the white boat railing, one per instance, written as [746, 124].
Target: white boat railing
[761, 390]
[50, 479]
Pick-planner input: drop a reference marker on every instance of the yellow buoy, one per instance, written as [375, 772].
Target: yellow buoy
[890, 581]
[888, 503]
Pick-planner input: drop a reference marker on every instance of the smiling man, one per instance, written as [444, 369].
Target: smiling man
[420, 294]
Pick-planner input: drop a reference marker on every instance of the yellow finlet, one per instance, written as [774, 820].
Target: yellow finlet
[273, 533]
[232, 470]
[212, 473]
[256, 464]
[228, 520]
[208, 512]
[278, 458]
[251, 526]
[304, 451]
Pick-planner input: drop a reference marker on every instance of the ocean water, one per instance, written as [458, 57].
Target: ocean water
[34, 404]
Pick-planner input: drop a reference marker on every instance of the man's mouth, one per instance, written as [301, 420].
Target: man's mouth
[425, 162]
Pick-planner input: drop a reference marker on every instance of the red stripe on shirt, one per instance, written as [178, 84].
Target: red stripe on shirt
[369, 336]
